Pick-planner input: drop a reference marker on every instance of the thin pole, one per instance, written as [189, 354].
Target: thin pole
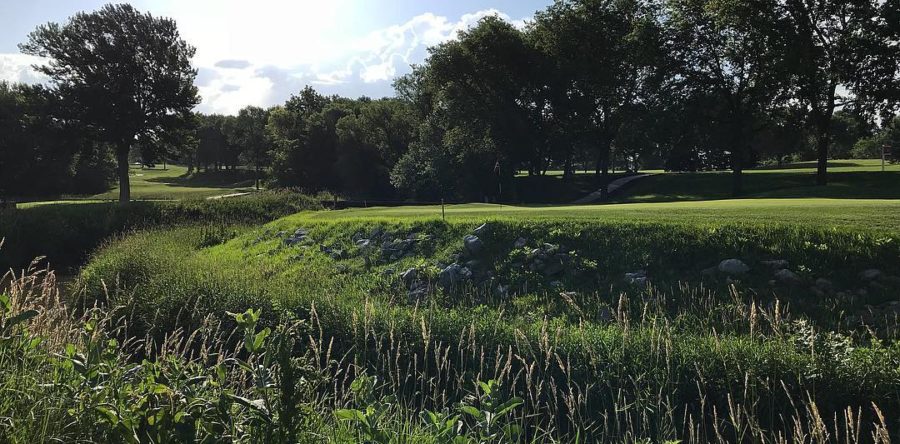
[443, 215]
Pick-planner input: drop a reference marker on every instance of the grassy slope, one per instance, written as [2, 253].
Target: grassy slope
[176, 280]
[173, 183]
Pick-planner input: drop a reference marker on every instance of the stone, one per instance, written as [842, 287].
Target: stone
[298, 236]
[473, 244]
[709, 272]
[363, 243]
[870, 274]
[776, 264]
[482, 230]
[417, 291]
[553, 267]
[409, 276]
[787, 277]
[638, 277]
[824, 285]
[388, 272]
[453, 275]
[733, 267]
[521, 242]
[605, 314]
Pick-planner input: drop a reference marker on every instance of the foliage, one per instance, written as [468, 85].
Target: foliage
[125, 75]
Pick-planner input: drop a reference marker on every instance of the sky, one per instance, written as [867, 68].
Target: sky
[259, 52]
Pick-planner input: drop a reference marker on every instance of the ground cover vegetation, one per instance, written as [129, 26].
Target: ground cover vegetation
[64, 234]
[671, 314]
[680, 85]
[608, 330]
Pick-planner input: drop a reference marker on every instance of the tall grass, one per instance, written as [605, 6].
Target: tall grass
[723, 363]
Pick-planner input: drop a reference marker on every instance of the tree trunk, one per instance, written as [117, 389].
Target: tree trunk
[737, 180]
[124, 181]
[602, 170]
[823, 130]
[257, 171]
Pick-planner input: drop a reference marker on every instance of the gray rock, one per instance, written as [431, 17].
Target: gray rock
[733, 267]
[363, 243]
[776, 264]
[824, 285]
[453, 275]
[298, 236]
[409, 276]
[482, 230]
[388, 272]
[638, 277]
[473, 244]
[870, 274]
[553, 267]
[417, 291]
[709, 272]
[787, 277]
[521, 242]
[502, 291]
[605, 314]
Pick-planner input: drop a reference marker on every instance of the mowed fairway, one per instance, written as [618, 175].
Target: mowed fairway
[847, 179]
[173, 183]
[880, 215]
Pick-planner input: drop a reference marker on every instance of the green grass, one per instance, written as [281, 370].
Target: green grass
[873, 215]
[174, 183]
[852, 179]
[664, 340]
[66, 232]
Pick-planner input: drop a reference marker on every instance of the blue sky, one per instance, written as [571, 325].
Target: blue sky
[258, 52]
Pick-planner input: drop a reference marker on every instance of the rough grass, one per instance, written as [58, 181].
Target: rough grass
[65, 233]
[691, 348]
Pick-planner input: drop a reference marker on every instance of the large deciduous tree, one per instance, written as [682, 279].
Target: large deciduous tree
[845, 55]
[730, 50]
[126, 74]
[605, 55]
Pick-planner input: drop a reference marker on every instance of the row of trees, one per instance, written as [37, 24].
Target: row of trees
[684, 84]
[699, 83]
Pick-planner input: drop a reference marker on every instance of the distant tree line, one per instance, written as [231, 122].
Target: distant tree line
[597, 85]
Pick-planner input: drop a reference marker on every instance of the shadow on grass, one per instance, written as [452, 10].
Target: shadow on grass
[713, 186]
[209, 179]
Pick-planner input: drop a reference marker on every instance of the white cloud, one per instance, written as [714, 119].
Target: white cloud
[17, 68]
[246, 56]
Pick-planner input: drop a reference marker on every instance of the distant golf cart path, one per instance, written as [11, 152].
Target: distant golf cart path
[613, 186]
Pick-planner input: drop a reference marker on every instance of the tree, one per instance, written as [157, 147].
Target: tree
[126, 74]
[730, 49]
[605, 56]
[483, 84]
[250, 134]
[844, 55]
